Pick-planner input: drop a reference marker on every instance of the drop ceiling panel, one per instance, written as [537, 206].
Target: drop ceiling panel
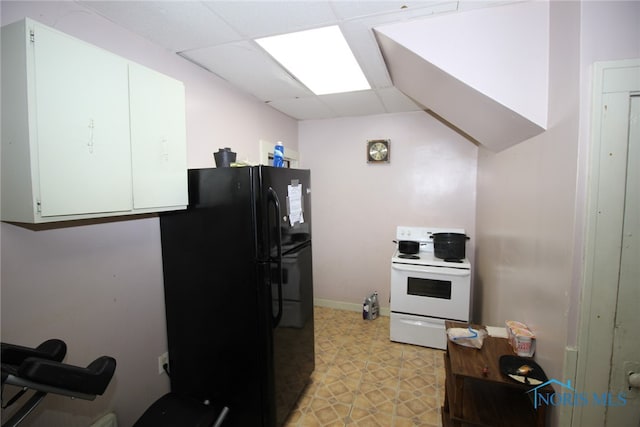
[304, 108]
[479, 4]
[247, 66]
[363, 102]
[176, 25]
[361, 9]
[255, 19]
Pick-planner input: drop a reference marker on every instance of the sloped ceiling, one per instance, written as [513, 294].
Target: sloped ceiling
[220, 37]
[484, 72]
[459, 105]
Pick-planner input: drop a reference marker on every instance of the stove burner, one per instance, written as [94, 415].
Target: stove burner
[408, 256]
[452, 260]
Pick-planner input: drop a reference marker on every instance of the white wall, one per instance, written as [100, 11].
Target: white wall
[430, 181]
[98, 284]
[526, 210]
[531, 197]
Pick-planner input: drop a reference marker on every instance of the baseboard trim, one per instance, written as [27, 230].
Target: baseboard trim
[348, 306]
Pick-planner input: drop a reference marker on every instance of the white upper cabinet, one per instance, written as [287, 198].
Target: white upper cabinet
[86, 133]
[158, 139]
[81, 126]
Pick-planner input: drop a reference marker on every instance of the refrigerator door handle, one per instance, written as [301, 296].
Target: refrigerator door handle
[272, 198]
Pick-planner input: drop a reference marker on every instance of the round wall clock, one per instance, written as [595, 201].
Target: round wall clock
[378, 151]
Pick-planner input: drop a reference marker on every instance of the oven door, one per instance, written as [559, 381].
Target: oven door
[439, 292]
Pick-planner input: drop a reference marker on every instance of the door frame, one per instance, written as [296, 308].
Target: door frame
[604, 221]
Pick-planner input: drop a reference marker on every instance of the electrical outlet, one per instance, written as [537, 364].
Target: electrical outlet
[162, 360]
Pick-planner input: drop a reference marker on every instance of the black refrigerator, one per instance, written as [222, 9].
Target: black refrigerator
[239, 291]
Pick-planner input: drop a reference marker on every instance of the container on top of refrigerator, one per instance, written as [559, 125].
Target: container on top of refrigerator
[224, 157]
[278, 155]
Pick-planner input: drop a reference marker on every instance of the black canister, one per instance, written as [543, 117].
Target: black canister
[224, 157]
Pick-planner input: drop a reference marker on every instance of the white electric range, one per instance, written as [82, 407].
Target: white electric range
[426, 291]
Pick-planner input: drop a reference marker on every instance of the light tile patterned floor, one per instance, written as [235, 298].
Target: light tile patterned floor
[364, 379]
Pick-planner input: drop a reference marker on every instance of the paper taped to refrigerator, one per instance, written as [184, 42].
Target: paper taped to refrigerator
[294, 203]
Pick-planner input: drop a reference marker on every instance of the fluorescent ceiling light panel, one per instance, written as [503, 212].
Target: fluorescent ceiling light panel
[319, 58]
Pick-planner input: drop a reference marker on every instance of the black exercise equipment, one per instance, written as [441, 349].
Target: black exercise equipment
[174, 410]
[41, 370]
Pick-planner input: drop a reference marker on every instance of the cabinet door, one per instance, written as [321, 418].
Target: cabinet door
[158, 139]
[82, 117]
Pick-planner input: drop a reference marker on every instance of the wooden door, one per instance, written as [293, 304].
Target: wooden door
[626, 345]
[608, 344]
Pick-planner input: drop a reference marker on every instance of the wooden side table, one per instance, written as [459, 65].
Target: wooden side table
[491, 399]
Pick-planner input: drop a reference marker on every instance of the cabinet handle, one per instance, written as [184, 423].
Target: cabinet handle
[90, 141]
[165, 149]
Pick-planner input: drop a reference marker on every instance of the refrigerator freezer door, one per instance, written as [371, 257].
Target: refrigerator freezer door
[293, 189]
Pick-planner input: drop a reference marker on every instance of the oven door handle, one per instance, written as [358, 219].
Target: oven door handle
[431, 270]
[424, 323]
